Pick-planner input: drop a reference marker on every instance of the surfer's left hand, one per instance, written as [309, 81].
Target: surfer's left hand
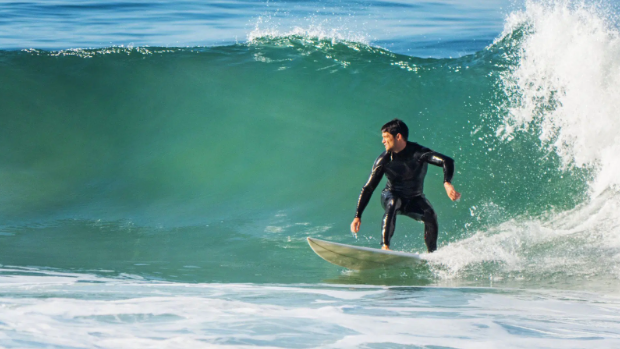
[452, 193]
[355, 225]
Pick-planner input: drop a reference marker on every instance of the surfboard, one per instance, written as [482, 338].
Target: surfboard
[360, 258]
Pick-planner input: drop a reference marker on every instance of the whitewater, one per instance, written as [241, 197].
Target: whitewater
[161, 171]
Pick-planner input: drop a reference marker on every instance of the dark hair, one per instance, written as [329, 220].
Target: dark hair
[395, 127]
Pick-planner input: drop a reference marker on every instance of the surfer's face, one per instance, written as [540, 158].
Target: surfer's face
[388, 141]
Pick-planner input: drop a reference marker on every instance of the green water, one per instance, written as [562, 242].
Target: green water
[215, 164]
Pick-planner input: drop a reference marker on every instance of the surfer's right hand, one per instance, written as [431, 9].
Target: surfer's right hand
[355, 225]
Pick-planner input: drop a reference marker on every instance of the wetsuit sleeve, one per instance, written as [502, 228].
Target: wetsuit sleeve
[371, 184]
[442, 161]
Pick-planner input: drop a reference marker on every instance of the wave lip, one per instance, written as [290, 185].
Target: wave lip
[320, 31]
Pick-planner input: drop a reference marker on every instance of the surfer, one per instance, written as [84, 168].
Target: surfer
[404, 164]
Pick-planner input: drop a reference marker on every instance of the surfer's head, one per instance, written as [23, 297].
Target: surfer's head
[395, 134]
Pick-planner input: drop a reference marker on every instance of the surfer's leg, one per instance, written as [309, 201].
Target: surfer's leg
[391, 205]
[419, 208]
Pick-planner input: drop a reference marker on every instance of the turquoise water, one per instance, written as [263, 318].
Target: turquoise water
[160, 194]
[428, 28]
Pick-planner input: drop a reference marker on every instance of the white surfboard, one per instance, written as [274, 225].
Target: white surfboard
[359, 258]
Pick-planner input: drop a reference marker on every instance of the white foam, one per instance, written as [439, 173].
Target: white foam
[566, 83]
[113, 313]
[576, 248]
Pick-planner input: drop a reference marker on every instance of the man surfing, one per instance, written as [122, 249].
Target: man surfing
[404, 164]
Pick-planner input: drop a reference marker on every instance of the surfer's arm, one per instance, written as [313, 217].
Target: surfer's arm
[373, 181]
[440, 160]
[447, 163]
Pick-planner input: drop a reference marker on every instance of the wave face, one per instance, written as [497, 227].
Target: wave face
[215, 164]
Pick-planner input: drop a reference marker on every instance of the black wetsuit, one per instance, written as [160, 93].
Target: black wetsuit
[403, 193]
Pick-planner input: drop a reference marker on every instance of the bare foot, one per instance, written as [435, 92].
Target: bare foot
[385, 247]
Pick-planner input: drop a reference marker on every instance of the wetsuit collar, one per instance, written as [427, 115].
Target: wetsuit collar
[402, 150]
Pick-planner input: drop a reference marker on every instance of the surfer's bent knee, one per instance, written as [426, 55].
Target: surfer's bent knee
[430, 216]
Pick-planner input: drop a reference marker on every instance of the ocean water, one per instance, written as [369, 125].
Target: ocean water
[162, 164]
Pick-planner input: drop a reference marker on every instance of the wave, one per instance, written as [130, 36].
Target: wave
[269, 142]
